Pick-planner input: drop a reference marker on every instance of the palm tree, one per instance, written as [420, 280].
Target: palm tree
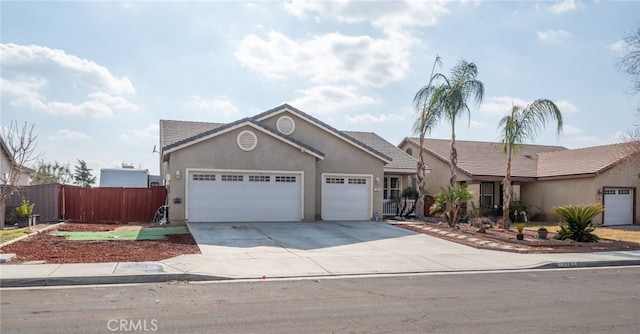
[449, 101]
[424, 123]
[521, 125]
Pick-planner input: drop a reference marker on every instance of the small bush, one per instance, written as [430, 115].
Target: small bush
[578, 219]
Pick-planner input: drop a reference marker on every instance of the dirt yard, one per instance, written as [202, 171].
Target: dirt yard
[57, 249]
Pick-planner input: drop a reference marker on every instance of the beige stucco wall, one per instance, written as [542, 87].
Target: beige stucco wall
[340, 157]
[438, 178]
[544, 195]
[222, 152]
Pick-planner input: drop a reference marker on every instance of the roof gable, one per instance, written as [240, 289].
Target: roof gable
[324, 126]
[219, 130]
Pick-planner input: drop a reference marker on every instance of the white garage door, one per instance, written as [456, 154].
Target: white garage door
[234, 197]
[618, 204]
[346, 197]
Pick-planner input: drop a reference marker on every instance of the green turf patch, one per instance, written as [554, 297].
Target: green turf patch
[142, 234]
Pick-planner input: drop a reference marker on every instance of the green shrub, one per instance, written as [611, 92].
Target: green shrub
[578, 219]
[24, 209]
[450, 200]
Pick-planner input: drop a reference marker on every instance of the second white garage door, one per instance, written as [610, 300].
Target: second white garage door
[346, 197]
[223, 196]
[618, 203]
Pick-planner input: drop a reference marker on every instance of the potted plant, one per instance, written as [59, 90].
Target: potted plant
[542, 233]
[23, 211]
[520, 227]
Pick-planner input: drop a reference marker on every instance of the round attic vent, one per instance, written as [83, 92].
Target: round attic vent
[285, 125]
[247, 140]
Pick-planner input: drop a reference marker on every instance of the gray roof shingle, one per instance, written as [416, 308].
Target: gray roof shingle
[400, 159]
[172, 131]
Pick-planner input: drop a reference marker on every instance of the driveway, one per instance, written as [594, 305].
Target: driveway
[322, 248]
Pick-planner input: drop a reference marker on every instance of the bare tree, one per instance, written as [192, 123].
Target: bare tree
[629, 62]
[19, 144]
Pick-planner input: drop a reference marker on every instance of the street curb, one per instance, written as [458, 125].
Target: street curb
[100, 280]
[589, 264]
[163, 278]
[9, 242]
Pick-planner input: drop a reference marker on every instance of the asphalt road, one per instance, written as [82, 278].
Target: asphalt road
[603, 300]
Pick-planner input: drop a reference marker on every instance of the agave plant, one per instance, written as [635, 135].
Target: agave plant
[578, 219]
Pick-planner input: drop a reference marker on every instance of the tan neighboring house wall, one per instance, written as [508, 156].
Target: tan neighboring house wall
[542, 176]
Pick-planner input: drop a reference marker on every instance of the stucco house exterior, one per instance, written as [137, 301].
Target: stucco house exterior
[6, 161]
[280, 165]
[542, 176]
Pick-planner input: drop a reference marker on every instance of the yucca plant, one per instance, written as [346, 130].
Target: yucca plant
[578, 219]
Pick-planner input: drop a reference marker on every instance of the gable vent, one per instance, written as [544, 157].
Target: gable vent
[285, 125]
[247, 140]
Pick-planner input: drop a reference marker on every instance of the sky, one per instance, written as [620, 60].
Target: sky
[95, 78]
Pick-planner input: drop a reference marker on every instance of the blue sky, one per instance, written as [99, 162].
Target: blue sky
[95, 78]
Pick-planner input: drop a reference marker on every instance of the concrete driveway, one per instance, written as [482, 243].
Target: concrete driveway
[321, 248]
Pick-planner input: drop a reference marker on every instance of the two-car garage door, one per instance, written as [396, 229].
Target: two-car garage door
[228, 196]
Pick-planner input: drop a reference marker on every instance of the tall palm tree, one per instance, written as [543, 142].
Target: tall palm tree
[521, 125]
[426, 119]
[449, 101]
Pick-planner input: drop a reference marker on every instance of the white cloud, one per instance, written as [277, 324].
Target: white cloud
[329, 58]
[571, 130]
[389, 16]
[566, 106]
[563, 7]
[502, 105]
[619, 46]
[369, 118]
[150, 132]
[68, 134]
[23, 86]
[99, 105]
[328, 99]
[554, 36]
[220, 106]
[36, 60]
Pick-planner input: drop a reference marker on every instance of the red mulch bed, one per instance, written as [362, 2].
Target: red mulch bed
[43, 247]
[530, 244]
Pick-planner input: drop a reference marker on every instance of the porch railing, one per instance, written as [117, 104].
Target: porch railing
[393, 208]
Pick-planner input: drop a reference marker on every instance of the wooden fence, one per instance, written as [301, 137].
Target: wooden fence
[92, 205]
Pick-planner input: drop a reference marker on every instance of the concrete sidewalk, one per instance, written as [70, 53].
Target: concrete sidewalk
[258, 252]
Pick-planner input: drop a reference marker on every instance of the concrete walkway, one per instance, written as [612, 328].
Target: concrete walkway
[280, 250]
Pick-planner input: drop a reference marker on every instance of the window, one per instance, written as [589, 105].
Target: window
[357, 181]
[259, 178]
[232, 178]
[624, 191]
[288, 179]
[334, 180]
[391, 188]
[409, 151]
[610, 192]
[486, 194]
[204, 177]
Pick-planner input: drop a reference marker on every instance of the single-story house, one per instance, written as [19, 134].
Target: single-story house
[542, 176]
[280, 165]
[6, 162]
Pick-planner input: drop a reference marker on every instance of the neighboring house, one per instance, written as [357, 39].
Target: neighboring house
[542, 176]
[6, 161]
[280, 165]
